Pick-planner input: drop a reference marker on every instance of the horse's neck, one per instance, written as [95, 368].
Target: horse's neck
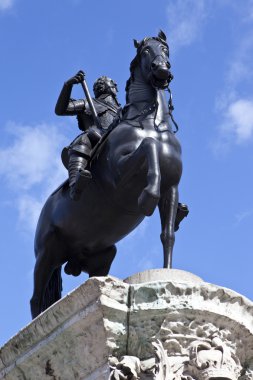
[141, 94]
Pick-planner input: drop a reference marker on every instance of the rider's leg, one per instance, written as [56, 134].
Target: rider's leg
[79, 154]
[78, 174]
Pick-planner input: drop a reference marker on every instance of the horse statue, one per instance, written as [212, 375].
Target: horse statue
[136, 168]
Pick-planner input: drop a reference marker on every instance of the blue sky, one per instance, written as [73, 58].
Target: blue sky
[43, 43]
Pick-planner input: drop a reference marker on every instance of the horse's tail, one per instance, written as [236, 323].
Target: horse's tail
[53, 289]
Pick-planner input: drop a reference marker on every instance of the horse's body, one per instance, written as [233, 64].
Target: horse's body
[137, 168]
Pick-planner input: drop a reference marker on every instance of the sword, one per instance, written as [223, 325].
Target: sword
[91, 104]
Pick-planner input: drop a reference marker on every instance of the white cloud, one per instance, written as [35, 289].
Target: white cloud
[185, 20]
[30, 159]
[243, 215]
[29, 209]
[6, 4]
[240, 119]
[240, 67]
[236, 126]
[32, 168]
[235, 106]
[145, 263]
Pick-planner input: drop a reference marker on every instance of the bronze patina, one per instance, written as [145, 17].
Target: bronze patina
[135, 167]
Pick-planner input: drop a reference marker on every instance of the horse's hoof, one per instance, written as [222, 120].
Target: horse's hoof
[147, 202]
[182, 212]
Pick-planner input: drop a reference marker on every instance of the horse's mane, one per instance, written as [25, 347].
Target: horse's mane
[135, 61]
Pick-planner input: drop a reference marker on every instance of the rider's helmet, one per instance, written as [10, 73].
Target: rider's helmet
[105, 85]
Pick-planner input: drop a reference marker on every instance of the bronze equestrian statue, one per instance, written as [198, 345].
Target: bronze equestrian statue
[136, 168]
[76, 156]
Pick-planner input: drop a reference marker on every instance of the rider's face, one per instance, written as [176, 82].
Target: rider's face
[111, 87]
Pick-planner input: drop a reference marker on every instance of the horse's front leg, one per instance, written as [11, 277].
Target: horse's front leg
[168, 211]
[147, 153]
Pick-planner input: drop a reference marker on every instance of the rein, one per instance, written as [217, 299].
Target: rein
[171, 109]
[147, 110]
[150, 108]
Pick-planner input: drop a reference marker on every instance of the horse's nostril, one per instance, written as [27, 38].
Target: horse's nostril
[162, 72]
[153, 65]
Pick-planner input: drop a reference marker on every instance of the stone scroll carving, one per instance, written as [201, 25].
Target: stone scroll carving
[127, 368]
[156, 368]
[205, 360]
[213, 360]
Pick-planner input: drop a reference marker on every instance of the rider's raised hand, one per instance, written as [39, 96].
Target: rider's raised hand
[78, 78]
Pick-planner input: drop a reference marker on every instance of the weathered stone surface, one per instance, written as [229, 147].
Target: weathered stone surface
[61, 342]
[181, 328]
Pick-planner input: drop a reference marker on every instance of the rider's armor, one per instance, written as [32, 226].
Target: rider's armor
[76, 156]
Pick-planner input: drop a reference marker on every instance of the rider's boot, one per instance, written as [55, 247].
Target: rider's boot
[182, 212]
[79, 176]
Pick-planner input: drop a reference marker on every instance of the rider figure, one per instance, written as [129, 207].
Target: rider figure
[76, 156]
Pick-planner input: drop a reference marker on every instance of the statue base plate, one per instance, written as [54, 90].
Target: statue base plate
[174, 275]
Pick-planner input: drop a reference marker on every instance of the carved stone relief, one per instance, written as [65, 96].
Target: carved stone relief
[209, 358]
[127, 368]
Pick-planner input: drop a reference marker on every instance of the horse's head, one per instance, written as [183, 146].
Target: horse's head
[153, 58]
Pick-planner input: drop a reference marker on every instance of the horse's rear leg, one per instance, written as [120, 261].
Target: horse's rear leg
[42, 273]
[168, 211]
[99, 263]
[47, 277]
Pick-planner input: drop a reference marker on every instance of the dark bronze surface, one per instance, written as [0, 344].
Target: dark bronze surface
[136, 168]
[95, 117]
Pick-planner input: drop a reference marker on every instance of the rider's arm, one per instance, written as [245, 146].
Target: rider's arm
[65, 105]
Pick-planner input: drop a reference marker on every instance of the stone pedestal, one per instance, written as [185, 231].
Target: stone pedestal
[160, 324]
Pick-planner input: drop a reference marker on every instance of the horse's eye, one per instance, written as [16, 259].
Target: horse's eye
[146, 51]
[165, 50]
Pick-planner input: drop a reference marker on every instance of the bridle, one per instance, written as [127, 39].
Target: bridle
[170, 102]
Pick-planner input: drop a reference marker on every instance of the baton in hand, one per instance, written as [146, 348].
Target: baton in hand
[91, 104]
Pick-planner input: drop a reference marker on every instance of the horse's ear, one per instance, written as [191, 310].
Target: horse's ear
[162, 35]
[136, 44]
